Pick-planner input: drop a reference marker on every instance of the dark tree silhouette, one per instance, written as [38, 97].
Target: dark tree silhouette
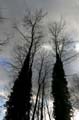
[19, 103]
[62, 105]
[18, 106]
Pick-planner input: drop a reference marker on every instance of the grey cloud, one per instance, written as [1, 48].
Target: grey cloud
[55, 8]
[15, 8]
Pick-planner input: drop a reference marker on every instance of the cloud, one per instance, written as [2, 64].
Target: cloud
[68, 9]
[13, 7]
[54, 7]
[4, 78]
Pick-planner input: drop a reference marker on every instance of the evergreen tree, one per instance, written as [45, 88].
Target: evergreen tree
[18, 106]
[19, 103]
[62, 105]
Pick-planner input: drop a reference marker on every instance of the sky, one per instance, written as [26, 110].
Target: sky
[66, 8]
[14, 10]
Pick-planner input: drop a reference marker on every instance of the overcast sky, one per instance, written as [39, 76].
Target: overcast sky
[68, 9]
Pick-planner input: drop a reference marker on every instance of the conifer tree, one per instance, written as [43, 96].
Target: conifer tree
[18, 106]
[62, 105]
[19, 103]
[61, 96]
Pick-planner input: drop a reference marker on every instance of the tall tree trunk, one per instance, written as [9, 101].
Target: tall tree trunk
[62, 105]
[36, 102]
[42, 100]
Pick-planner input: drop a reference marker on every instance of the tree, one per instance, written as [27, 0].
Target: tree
[42, 66]
[62, 106]
[40, 81]
[61, 42]
[19, 103]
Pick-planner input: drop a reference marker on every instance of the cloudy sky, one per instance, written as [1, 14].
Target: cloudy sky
[55, 8]
[14, 9]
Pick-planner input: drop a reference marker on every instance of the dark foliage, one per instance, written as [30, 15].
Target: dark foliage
[62, 105]
[18, 106]
[19, 103]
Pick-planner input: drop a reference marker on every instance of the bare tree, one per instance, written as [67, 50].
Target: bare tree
[32, 37]
[20, 109]
[62, 105]
[62, 43]
[43, 67]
